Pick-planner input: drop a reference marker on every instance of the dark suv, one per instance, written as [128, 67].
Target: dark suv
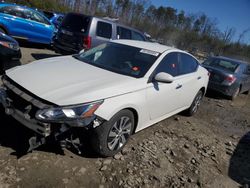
[78, 31]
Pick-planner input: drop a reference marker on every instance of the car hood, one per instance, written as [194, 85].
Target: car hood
[66, 81]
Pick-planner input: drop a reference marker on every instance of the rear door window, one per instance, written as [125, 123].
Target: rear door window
[188, 64]
[34, 16]
[76, 23]
[104, 30]
[137, 36]
[13, 10]
[123, 33]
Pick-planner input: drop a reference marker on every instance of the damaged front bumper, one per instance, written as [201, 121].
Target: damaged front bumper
[22, 106]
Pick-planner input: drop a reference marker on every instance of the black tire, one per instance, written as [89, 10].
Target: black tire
[235, 94]
[195, 104]
[109, 132]
[2, 30]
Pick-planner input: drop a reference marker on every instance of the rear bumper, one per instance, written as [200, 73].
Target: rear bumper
[59, 47]
[223, 89]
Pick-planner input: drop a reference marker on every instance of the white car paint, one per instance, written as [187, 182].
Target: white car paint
[67, 81]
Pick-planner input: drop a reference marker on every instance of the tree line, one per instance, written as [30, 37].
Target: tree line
[166, 24]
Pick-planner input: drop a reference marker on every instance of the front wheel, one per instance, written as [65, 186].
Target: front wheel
[110, 137]
[195, 104]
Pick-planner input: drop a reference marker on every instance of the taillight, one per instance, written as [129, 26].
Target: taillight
[87, 42]
[230, 78]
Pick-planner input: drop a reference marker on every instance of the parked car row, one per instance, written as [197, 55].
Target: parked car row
[76, 31]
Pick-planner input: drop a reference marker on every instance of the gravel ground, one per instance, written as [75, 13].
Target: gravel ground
[210, 149]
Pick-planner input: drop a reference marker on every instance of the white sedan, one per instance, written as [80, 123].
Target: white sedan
[113, 91]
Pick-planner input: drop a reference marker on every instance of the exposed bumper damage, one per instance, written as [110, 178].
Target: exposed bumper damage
[22, 106]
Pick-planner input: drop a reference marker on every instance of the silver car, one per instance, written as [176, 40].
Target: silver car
[78, 31]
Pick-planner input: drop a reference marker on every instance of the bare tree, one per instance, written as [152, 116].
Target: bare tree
[242, 35]
[228, 35]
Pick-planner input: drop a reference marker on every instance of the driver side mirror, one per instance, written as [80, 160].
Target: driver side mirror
[164, 77]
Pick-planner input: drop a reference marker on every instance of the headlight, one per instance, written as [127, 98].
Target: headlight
[69, 113]
[10, 45]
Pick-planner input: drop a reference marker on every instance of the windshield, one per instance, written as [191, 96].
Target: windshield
[227, 65]
[119, 58]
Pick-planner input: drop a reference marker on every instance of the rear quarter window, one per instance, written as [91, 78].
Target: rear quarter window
[104, 30]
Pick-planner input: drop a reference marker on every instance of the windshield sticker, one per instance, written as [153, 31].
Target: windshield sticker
[149, 52]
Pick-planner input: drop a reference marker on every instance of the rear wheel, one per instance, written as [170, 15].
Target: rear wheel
[110, 137]
[195, 104]
[235, 94]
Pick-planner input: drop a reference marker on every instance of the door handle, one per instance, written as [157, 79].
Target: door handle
[178, 86]
[199, 78]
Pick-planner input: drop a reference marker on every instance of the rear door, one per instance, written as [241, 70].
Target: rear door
[42, 30]
[190, 78]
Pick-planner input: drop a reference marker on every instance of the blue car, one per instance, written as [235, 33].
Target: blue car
[25, 23]
[55, 18]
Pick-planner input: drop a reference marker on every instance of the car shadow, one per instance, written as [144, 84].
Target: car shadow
[15, 136]
[10, 64]
[215, 95]
[26, 44]
[7, 64]
[38, 56]
[239, 168]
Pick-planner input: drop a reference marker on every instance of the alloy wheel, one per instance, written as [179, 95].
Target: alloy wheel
[119, 133]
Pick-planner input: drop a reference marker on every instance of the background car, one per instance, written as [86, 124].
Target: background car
[112, 91]
[9, 51]
[25, 23]
[228, 76]
[9, 48]
[54, 18]
[78, 31]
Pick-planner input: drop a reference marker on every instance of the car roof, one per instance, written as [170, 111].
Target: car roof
[230, 59]
[16, 5]
[107, 20]
[156, 47]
